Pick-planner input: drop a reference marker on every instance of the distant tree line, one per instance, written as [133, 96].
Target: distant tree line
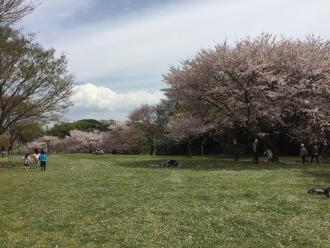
[276, 90]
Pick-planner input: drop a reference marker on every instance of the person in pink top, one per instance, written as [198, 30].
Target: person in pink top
[36, 155]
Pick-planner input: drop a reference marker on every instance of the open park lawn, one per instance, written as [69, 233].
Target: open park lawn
[127, 201]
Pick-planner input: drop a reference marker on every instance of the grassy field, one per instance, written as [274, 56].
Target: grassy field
[127, 201]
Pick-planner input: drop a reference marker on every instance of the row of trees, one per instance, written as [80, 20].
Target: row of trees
[266, 86]
[274, 89]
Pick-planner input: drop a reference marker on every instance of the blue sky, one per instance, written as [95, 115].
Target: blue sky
[119, 49]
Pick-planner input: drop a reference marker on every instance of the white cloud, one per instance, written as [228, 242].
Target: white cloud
[103, 98]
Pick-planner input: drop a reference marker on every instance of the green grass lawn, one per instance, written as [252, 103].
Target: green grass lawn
[126, 201]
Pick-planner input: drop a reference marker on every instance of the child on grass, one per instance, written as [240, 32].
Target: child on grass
[27, 161]
[43, 159]
[36, 155]
[269, 155]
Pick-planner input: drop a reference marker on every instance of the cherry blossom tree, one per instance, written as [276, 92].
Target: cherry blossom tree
[120, 139]
[79, 141]
[44, 142]
[144, 120]
[185, 127]
[257, 81]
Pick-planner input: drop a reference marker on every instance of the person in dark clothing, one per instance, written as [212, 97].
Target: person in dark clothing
[315, 153]
[235, 146]
[3, 152]
[255, 150]
[303, 154]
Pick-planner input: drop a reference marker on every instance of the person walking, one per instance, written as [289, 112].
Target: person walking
[303, 153]
[315, 153]
[43, 159]
[36, 155]
[255, 149]
[235, 146]
[27, 161]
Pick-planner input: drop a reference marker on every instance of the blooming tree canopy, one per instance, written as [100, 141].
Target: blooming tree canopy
[259, 80]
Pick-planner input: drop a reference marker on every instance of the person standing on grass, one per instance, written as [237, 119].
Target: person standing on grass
[43, 159]
[27, 161]
[36, 155]
[235, 145]
[315, 153]
[303, 153]
[255, 149]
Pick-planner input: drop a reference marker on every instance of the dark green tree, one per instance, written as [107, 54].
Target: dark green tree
[35, 85]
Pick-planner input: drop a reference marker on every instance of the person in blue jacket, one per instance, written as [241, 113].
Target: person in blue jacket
[43, 159]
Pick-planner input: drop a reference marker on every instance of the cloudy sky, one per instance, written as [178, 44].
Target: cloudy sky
[118, 50]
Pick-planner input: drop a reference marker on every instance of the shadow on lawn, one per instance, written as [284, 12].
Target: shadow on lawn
[206, 164]
[6, 163]
[321, 174]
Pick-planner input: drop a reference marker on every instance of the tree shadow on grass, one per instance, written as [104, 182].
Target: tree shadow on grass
[6, 164]
[11, 162]
[207, 164]
[322, 174]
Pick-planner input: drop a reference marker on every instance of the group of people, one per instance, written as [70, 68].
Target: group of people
[40, 159]
[304, 153]
[269, 154]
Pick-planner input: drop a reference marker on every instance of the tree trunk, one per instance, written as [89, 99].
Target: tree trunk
[189, 147]
[12, 141]
[325, 150]
[152, 148]
[235, 149]
[236, 152]
[154, 152]
[202, 146]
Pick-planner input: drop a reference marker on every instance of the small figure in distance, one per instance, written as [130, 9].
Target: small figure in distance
[235, 149]
[99, 151]
[43, 159]
[255, 150]
[303, 153]
[3, 152]
[315, 153]
[269, 155]
[27, 161]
